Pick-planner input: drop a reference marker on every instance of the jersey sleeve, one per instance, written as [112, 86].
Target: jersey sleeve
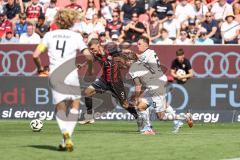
[80, 44]
[132, 71]
[173, 66]
[188, 64]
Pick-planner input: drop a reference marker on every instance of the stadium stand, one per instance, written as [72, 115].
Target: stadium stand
[220, 19]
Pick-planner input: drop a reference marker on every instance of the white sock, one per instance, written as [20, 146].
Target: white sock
[61, 120]
[145, 118]
[181, 116]
[72, 120]
[148, 117]
[170, 114]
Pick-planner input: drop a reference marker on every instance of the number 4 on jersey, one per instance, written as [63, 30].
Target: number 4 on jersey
[61, 48]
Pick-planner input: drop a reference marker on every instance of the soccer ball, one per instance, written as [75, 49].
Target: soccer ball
[180, 72]
[36, 125]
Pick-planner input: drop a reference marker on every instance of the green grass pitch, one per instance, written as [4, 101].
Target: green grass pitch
[118, 140]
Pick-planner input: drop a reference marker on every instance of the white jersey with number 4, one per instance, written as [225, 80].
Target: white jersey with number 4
[62, 47]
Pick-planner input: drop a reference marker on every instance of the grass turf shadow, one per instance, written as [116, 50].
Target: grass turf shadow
[46, 147]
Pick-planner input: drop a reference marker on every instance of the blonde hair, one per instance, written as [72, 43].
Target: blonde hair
[65, 18]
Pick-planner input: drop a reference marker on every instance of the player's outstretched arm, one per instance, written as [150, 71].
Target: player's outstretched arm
[89, 58]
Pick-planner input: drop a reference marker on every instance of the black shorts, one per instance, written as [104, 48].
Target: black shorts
[116, 88]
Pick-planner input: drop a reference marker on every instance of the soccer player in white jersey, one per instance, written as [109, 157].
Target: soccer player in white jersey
[150, 89]
[62, 45]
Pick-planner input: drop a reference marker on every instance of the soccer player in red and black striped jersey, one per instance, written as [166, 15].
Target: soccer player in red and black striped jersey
[110, 80]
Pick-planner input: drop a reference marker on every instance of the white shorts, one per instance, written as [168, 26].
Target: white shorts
[158, 103]
[59, 97]
[70, 91]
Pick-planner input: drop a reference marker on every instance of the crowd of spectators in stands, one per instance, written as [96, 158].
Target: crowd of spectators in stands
[181, 22]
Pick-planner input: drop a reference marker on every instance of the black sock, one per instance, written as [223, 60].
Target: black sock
[133, 111]
[88, 103]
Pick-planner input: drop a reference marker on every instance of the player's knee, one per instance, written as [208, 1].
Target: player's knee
[89, 92]
[125, 104]
[142, 106]
[160, 115]
[76, 104]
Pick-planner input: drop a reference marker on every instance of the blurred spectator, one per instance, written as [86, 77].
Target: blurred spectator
[44, 2]
[12, 10]
[30, 37]
[85, 37]
[73, 5]
[192, 29]
[90, 26]
[211, 25]
[236, 10]
[2, 3]
[9, 37]
[26, 3]
[21, 26]
[84, 26]
[183, 38]
[91, 10]
[153, 29]
[103, 39]
[151, 3]
[92, 36]
[181, 68]
[51, 11]
[184, 11]
[161, 8]
[114, 27]
[133, 30]
[203, 39]
[97, 25]
[4, 23]
[164, 37]
[105, 11]
[115, 38]
[200, 9]
[33, 11]
[77, 27]
[20, 2]
[132, 6]
[221, 9]
[230, 30]
[41, 27]
[172, 25]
